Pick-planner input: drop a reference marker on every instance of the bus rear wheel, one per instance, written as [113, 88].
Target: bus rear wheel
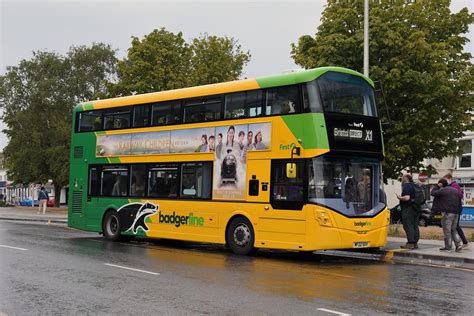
[240, 236]
[111, 226]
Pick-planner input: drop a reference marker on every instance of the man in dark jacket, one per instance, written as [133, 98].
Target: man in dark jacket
[409, 213]
[447, 201]
[454, 184]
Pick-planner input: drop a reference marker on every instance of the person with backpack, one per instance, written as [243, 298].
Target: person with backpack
[447, 201]
[43, 200]
[454, 184]
[410, 212]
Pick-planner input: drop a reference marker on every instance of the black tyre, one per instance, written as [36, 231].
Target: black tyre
[111, 226]
[240, 236]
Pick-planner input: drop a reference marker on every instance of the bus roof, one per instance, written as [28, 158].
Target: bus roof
[217, 88]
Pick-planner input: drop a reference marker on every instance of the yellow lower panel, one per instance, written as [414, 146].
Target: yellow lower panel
[331, 230]
[282, 225]
[280, 241]
[312, 228]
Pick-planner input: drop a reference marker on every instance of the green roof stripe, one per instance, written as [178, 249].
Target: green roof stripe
[303, 76]
[87, 106]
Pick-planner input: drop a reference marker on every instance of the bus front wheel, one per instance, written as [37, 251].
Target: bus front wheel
[240, 236]
[111, 226]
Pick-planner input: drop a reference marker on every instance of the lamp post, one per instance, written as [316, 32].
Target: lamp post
[366, 38]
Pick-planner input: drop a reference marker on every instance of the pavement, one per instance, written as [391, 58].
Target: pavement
[29, 214]
[428, 252]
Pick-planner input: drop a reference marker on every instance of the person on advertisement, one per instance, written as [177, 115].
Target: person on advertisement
[259, 145]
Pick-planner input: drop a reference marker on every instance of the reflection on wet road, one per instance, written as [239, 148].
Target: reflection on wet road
[67, 271]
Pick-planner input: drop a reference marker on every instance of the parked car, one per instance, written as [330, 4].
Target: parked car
[27, 202]
[435, 219]
[426, 217]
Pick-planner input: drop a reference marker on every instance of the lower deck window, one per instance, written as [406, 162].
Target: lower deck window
[163, 181]
[138, 180]
[196, 180]
[114, 181]
[176, 180]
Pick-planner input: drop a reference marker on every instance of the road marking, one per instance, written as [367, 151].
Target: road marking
[5, 246]
[333, 312]
[138, 270]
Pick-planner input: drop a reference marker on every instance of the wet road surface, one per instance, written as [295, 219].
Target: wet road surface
[56, 270]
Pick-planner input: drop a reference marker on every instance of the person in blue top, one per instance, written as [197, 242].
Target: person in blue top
[409, 213]
[43, 200]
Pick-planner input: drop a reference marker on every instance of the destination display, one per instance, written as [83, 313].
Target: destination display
[354, 134]
[357, 135]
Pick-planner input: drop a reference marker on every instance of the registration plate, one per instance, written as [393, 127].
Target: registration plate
[360, 244]
[438, 216]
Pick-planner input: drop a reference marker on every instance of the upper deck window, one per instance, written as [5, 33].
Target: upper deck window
[252, 103]
[166, 113]
[117, 118]
[345, 93]
[282, 100]
[202, 109]
[141, 115]
[243, 104]
[90, 121]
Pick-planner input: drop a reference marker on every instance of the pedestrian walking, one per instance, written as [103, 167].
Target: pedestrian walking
[448, 202]
[454, 184]
[410, 213]
[43, 198]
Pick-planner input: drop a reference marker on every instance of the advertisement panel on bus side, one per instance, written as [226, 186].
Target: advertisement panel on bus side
[230, 145]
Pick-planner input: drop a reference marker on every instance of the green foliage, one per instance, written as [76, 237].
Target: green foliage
[416, 50]
[37, 98]
[4, 204]
[216, 59]
[163, 60]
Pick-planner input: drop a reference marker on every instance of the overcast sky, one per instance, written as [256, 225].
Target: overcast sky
[265, 28]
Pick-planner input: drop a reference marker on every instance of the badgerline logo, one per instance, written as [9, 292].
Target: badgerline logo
[179, 220]
[362, 224]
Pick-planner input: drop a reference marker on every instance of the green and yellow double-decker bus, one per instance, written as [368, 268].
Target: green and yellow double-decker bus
[290, 161]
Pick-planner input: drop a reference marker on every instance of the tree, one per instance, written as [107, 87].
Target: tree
[163, 60]
[37, 98]
[216, 59]
[416, 50]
